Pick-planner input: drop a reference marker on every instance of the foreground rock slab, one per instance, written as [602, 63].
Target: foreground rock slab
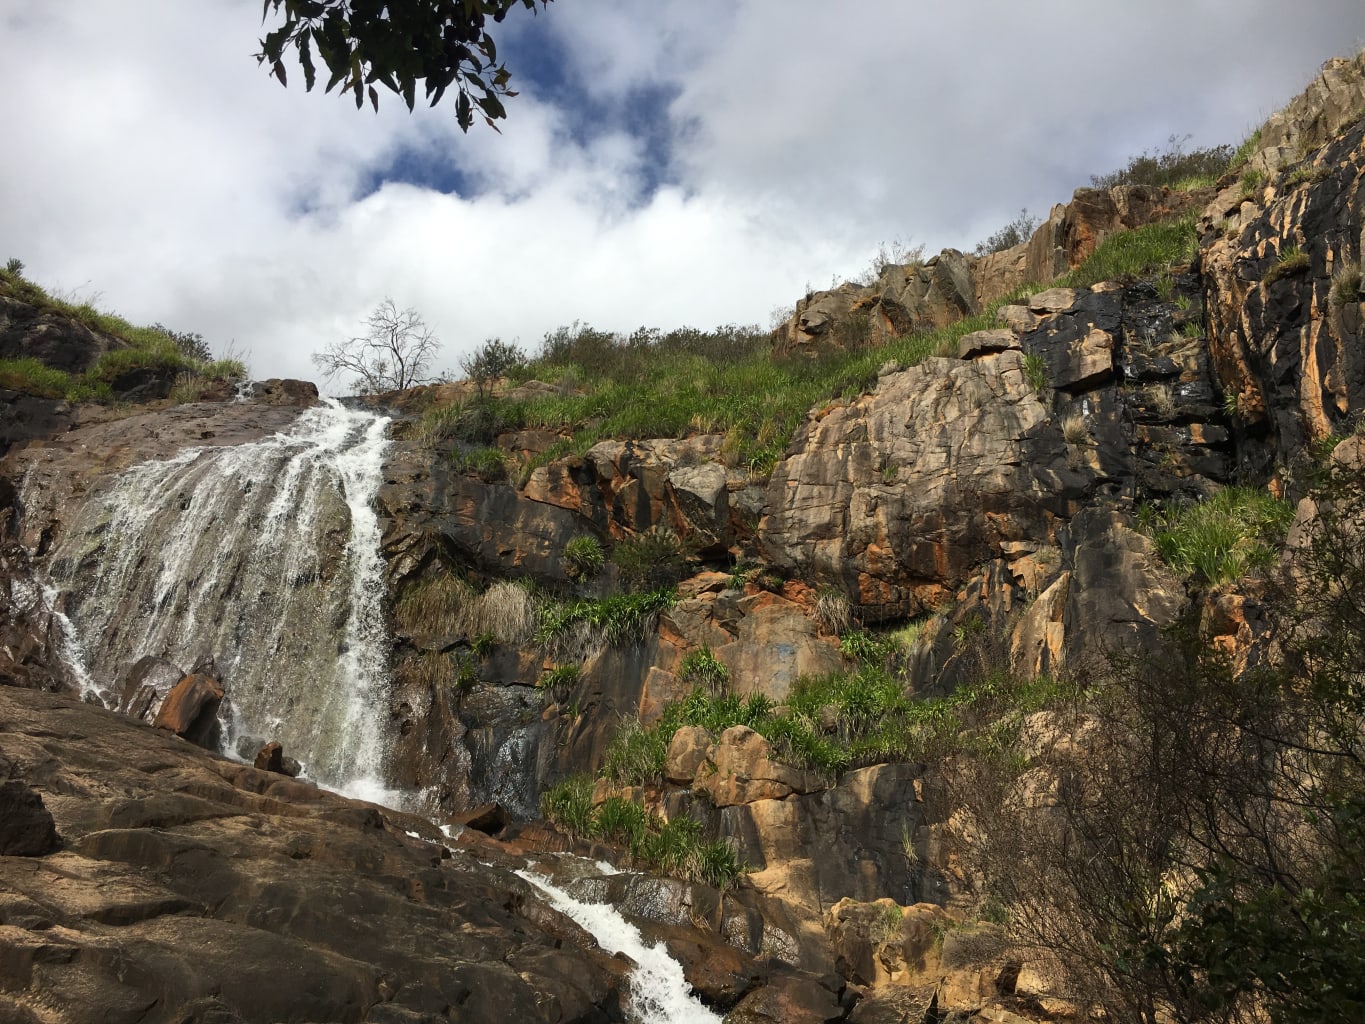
[190, 889]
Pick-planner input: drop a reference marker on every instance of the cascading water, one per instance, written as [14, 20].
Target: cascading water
[659, 994]
[264, 555]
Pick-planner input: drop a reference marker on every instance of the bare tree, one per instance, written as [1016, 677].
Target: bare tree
[392, 354]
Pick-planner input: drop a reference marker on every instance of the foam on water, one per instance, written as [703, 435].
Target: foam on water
[264, 556]
[659, 994]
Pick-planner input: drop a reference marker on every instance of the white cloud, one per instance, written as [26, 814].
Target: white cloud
[150, 157]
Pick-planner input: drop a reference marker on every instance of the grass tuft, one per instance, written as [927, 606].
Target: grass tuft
[1292, 260]
[1221, 538]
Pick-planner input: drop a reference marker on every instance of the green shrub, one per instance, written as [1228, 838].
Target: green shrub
[652, 558]
[559, 681]
[621, 821]
[703, 669]
[616, 620]
[1171, 167]
[717, 865]
[568, 806]
[1016, 232]
[672, 847]
[583, 558]
[1252, 182]
[1036, 373]
[868, 648]
[635, 756]
[1223, 537]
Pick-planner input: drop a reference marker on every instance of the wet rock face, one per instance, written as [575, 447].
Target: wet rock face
[60, 473]
[170, 852]
[1287, 330]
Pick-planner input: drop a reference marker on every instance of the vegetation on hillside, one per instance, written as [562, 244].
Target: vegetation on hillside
[1172, 167]
[672, 846]
[1200, 855]
[157, 347]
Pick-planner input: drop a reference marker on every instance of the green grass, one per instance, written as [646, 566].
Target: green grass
[1221, 538]
[583, 558]
[670, 846]
[1245, 151]
[1346, 286]
[1291, 260]
[1035, 372]
[1252, 183]
[618, 619]
[487, 463]
[153, 347]
[836, 722]
[687, 382]
[559, 681]
[1129, 254]
[703, 669]
[34, 378]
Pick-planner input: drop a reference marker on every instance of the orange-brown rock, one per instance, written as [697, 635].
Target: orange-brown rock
[740, 769]
[190, 709]
[170, 851]
[687, 752]
[881, 942]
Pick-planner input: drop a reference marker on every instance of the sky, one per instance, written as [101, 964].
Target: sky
[667, 163]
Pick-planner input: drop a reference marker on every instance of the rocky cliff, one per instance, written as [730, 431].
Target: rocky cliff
[973, 514]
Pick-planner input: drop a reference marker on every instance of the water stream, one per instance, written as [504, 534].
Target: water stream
[659, 994]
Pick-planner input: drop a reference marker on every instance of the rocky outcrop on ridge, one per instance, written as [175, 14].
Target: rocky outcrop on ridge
[947, 287]
[30, 332]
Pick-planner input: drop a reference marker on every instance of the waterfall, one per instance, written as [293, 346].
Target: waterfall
[266, 557]
[659, 994]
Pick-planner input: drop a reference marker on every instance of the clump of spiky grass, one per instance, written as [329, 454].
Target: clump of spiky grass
[1221, 538]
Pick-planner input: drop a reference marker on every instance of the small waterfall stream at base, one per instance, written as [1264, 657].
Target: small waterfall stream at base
[658, 992]
[265, 556]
